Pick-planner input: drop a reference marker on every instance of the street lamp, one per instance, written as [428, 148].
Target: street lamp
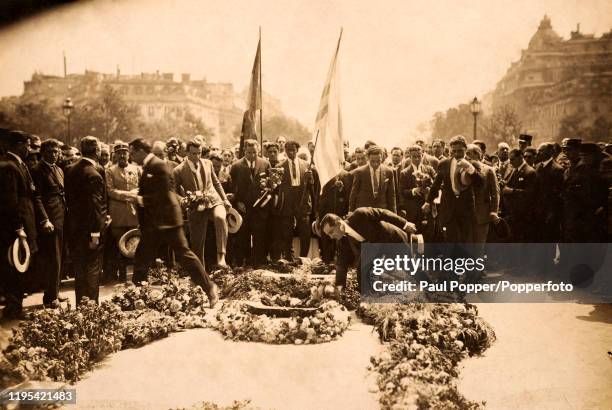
[475, 109]
[68, 107]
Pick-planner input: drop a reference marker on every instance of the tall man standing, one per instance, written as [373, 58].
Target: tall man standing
[457, 207]
[17, 211]
[87, 219]
[413, 189]
[197, 175]
[50, 206]
[246, 175]
[296, 191]
[161, 220]
[373, 184]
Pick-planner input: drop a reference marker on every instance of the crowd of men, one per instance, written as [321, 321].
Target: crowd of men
[73, 206]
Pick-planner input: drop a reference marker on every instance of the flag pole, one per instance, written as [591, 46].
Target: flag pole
[260, 101]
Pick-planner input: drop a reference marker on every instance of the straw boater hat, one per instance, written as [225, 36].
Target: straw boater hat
[234, 220]
[129, 242]
[19, 255]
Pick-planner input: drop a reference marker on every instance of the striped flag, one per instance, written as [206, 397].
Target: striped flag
[253, 103]
[329, 151]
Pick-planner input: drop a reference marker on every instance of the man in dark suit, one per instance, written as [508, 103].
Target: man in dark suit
[87, 218]
[518, 196]
[373, 184]
[17, 215]
[50, 206]
[246, 175]
[457, 207]
[547, 218]
[372, 225]
[296, 204]
[334, 199]
[415, 181]
[161, 220]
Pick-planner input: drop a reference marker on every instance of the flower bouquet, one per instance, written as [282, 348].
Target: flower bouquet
[197, 201]
[268, 183]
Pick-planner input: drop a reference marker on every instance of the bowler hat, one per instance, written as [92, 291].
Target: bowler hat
[590, 148]
[525, 138]
[234, 220]
[129, 242]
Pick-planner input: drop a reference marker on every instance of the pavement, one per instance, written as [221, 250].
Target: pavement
[547, 356]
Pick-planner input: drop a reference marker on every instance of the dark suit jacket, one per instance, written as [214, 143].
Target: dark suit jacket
[9, 201]
[362, 194]
[86, 201]
[333, 200]
[549, 185]
[161, 207]
[519, 203]
[49, 199]
[245, 184]
[295, 200]
[376, 225]
[451, 204]
[25, 192]
[408, 201]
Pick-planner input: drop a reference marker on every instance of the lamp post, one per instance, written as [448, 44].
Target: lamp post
[475, 109]
[67, 108]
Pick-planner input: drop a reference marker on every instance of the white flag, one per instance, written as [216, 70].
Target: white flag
[329, 152]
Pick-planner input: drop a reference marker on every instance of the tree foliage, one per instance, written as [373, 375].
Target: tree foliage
[107, 117]
[36, 117]
[503, 126]
[183, 127]
[576, 125]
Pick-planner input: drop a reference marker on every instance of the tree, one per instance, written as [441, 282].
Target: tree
[573, 125]
[287, 126]
[183, 127]
[503, 126]
[601, 129]
[107, 117]
[456, 120]
[36, 117]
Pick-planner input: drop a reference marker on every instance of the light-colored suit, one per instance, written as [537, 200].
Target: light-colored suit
[186, 181]
[119, 183]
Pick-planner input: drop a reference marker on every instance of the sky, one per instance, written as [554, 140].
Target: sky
[400, 61]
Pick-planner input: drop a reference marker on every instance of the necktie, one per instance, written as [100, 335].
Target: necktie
[292, 170]
[376, 182]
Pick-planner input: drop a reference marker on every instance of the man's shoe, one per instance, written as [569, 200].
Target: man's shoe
[54, 304]
[213, 296]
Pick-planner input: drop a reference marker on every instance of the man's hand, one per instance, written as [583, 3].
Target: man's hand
[410, 228]
[426, 208]
[21, 234]
[139, 200]
[227, 204]
[48, 227]
[494, 217]
[108, 221]
[241, 207]
[94, 242]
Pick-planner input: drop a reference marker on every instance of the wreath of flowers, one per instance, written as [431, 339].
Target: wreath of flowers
[235, 322]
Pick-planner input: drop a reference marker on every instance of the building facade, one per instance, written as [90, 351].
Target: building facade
[555, 78]
[157, 96]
